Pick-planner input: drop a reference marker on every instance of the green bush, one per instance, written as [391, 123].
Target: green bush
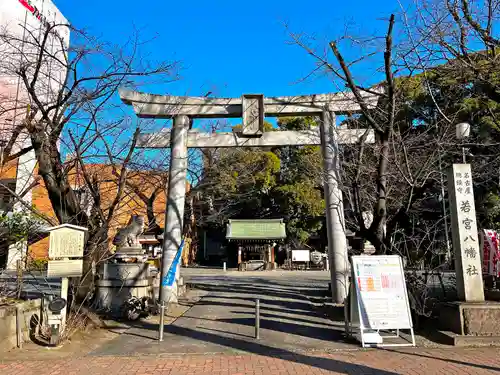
[37, 264]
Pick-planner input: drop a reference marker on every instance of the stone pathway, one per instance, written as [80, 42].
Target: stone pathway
[222, 321]
[380, 362]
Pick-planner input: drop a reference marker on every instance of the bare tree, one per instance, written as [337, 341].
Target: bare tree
[148, 186]
[439, 70]
[70, 105]
[396, 180]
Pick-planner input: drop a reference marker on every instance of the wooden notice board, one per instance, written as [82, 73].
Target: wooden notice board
[378, 297]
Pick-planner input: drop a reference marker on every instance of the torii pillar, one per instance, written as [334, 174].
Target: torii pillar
[252, 109]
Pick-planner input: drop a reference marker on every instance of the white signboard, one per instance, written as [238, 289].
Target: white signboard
[301, 256]
[381, 292]
[465, 236]
[378, 299]
[66, 241]
[65, 268]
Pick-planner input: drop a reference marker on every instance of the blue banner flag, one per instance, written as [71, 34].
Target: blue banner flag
[169, 278]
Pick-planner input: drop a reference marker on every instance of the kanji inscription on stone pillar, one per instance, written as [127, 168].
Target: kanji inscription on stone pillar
[465, 235]
[253, 114]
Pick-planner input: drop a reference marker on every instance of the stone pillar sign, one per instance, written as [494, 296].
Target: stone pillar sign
[465, 235]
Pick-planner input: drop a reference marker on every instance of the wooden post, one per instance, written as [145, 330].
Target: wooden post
[65, 252]
[19, 269]
[64, 294]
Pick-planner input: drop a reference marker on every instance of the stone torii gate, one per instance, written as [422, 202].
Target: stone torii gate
[252, 109]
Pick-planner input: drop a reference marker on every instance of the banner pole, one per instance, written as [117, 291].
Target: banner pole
[168, 281]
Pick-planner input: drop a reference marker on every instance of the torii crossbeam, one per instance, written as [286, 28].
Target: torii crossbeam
[252, 109]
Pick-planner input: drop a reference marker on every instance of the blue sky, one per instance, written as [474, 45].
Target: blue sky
[230, 47]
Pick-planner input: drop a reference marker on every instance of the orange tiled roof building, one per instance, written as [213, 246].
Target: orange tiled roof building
[142, 187]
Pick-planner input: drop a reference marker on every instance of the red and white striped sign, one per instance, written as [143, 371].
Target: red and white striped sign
[490, 252]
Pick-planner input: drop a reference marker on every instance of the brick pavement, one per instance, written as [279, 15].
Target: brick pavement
[381, 362]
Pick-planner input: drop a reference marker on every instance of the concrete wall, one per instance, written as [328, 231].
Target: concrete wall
[8, 318]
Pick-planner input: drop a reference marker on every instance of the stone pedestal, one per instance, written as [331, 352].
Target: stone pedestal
[119, 282]
[253, 265]
[126, 253]
[125, 271]
[471, 319]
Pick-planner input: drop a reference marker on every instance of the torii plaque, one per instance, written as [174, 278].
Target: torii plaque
[252, 109]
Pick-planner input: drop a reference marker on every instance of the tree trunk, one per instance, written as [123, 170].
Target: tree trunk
[380, 212]
[61, 195]
[96, 253]
[67, 209]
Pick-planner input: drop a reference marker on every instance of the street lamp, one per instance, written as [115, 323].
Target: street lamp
[463, 132]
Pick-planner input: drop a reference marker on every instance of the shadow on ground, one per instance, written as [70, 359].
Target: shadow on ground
[288, 320]
[264, 350]
[293, 328]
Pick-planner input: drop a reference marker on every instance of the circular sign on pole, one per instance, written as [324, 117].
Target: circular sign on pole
[57, 304]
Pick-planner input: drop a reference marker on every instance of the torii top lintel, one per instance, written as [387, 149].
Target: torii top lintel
[251, 108]
[166, 106]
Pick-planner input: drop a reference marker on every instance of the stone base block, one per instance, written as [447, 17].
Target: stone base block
[475, 341]
[111, 294]
[29, 314]
[125, 271]
[471, 319]
[450, 338]
[124, 252]
[252, 265]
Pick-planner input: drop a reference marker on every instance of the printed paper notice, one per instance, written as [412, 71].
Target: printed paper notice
[381, 292]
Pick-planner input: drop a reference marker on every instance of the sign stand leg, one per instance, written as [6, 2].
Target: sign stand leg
[412, 338]
[361, 331]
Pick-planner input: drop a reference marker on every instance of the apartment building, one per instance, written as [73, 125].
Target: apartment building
[22, 26]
